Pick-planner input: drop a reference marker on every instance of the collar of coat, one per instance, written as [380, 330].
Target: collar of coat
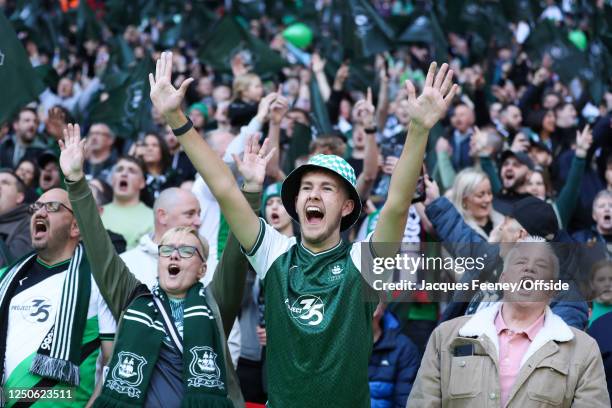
[482, 323]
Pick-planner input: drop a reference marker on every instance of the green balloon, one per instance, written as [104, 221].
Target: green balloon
[298, 34]
[578, 38]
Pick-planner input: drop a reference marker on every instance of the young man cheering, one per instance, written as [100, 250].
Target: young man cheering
[318, 326]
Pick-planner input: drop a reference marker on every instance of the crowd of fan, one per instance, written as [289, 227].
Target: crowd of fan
[515, 132]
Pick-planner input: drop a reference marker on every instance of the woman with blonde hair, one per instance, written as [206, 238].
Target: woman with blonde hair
[472, 196]
[247, 91]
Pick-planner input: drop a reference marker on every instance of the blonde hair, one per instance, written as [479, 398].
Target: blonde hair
[172, 232]
[241, 84]
[465, 184]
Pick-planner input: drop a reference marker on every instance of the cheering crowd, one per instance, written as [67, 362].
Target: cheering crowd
[210, 248]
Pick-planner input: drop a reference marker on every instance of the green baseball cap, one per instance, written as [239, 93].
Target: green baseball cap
[326, 162]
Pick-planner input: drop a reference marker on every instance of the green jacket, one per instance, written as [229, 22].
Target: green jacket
[119, 286]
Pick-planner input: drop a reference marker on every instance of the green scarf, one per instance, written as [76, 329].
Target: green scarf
[59, 355]
[133, 359]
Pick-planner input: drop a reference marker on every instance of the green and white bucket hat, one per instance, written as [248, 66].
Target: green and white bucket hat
[326, 162]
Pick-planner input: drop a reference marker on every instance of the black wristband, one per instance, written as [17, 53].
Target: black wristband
[371, 130]
[183, 129]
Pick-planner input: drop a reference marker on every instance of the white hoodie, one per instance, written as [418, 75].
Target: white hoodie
[142, 260]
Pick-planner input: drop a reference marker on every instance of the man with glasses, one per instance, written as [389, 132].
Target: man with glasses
[184, 360]
[14, 218]
[53, 319]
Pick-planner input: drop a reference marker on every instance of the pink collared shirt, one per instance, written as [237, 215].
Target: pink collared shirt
[512, 348]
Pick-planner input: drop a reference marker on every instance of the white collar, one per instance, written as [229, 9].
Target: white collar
[482, 323]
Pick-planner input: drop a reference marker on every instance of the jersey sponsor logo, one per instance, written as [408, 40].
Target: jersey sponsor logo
[127, 374]
[308, 310]
[35, 310]
[204, 369]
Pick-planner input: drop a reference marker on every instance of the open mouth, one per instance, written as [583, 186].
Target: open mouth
[314, 215]
[274, 217]
[40, 228]
[123, 184]
[607, 217]
[47, 178]
[173, 269]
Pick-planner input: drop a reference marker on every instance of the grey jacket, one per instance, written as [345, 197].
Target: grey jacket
[15, 232]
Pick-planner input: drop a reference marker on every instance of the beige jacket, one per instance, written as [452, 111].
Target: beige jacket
[561, 368]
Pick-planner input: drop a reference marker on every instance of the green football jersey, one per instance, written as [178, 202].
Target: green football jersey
[318, 324]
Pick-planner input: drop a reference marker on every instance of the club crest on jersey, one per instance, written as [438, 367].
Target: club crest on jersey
[204, 369]
[127, 374]
[308, 310]
[335, 272]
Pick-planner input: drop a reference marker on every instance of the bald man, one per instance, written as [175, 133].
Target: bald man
[54, 320]
[174, 207]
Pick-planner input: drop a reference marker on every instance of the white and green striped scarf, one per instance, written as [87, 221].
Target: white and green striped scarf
[59, 353]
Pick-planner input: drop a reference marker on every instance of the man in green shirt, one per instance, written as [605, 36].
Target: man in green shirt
[127, 215]
[318, 326]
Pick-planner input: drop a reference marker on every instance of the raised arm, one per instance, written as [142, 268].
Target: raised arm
[425, 111]
[116, 283]
[229, 280]
[168, 100]
[278, 109]
[364, 120]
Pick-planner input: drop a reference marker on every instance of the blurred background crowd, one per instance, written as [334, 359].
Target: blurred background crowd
[533, 119]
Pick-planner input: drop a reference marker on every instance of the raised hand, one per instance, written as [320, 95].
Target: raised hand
[263, 109]
[253, 164]
[584, 140]
[363, 112]
[56, 121]
[317, 63]
[73, 153]
[435, 99]
[278, 109]
[165, 97]
[432, 191]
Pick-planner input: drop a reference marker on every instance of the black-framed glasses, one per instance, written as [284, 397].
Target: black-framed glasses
[50, 206]
[184, 251]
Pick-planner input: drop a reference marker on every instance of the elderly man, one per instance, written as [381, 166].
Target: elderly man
[173, 208]
[528, 216]
[516, 353]
[54, 320]
[14, 217]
